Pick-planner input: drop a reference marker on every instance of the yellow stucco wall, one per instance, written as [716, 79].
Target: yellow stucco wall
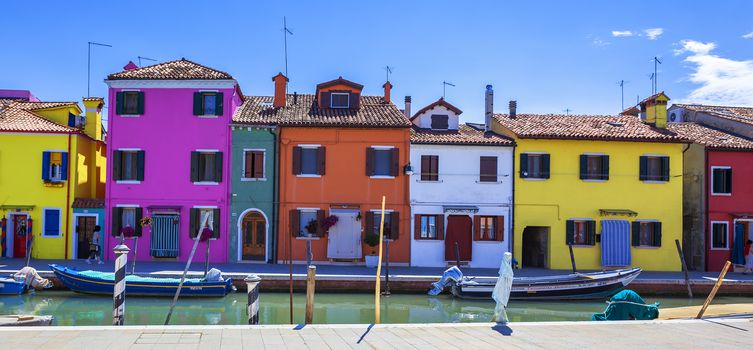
[550, 203]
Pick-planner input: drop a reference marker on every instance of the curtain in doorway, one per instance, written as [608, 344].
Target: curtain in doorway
[739, 245]
[615, 243]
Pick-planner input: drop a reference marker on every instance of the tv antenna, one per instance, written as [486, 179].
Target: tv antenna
[89, 65]
[444, 87]
[655, 76]
[567, 111]
[622, 83]
[285, 32]
[146, 59]
[389, 71]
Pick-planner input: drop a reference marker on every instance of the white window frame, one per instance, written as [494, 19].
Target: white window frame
[301, 228]
[44, 223]
[726, 233]
[712, 180]
[264, 165]
[307, 146]
[381, 148]
[332, 98]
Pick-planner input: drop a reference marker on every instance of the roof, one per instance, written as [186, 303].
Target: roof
[738, 114]
[632, 110]
[181, 69]
[439, 102]
[19, 116]
[338, 81]
[88, 203]
[373, 113]
[466, 134]
[653, 97]
[93, 99]
[709, 137]
[585, 127]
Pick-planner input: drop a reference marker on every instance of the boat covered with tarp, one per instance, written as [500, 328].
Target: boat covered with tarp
[97, 282]
[583, 286]
[627, 305]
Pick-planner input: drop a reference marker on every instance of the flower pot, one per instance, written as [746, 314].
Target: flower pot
[371, 260]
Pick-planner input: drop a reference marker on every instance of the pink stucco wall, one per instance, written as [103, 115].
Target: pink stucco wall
[168, 132]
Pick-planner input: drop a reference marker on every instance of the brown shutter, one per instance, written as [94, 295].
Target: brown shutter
[417, 226]
[321, 160]
[425, 168]
[477, 228]
[369, 161]
[319, 219]
[394, 225]
[295, 222]
[440, 227]
[326, 100]
[488, 169]
[499, 224]
[259, 164]
[355, 100]
[369, 223]
[296, 160]
[248, 170]
[395, 169]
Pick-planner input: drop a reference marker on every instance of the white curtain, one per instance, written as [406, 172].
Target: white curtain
[129, 218]
[206, 219]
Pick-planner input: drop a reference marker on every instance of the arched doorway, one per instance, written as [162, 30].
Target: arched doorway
[253, 236]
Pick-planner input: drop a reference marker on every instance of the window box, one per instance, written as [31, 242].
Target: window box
[594, 167]
[534, 166]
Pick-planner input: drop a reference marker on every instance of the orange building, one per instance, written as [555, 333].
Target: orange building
[339, 152]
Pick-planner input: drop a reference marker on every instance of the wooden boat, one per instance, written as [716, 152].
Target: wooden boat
[95, 282]
[594, 285]
[9, 286]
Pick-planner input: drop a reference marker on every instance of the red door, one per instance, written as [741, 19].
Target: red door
[460, 230]
[19, 236]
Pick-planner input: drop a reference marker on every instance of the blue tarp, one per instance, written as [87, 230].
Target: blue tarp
[615, 243]
[627, 305]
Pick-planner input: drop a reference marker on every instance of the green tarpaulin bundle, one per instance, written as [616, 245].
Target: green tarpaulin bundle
[627, 305]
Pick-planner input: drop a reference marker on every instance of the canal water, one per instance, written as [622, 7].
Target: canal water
[73, 309]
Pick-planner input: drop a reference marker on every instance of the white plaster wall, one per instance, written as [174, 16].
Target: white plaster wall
[457, 186]
[423, 121]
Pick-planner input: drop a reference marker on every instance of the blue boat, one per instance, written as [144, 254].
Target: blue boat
[96, 282]
[9, 286]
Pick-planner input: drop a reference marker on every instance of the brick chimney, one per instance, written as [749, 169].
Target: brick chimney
[488, 108]
[387, 88]
[513, 108]
[281, 83]
[407, 106]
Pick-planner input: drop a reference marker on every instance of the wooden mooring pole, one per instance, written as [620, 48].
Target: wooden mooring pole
[572, 257]
[713, 291]
[457, 254]
[378, 289]
[310, 289]
[119, 290]
[684, 267]
[252, 306]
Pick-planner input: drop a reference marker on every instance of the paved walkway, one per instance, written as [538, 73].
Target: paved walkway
[690, 334]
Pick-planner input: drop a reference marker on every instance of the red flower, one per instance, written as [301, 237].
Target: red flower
[206, 234]
[127, 231]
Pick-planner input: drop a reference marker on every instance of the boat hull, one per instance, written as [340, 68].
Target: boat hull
[568, 287]
[161, 287]
[9, 286]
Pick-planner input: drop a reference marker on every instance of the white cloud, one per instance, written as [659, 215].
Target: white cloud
[748, 36]
[653, 33]
[600, 43]
[722, 81]
[621, 33]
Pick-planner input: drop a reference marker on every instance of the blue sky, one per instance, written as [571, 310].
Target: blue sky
[547, 55]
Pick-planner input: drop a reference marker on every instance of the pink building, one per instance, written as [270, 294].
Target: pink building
[168, 159]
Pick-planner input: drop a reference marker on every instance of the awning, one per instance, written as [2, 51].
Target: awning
[617, 212]
[17, 207]
[460, 209]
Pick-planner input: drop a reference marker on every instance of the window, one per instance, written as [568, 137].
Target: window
[207, 103]
[130, 102]
[382, 161]
[534, 166]
[128, 165]
[646, 233]
[429, 168]
[308, 223]
[594, 167]
[580, 232]
[719, 234]
[206, 166]
[126, 217]
[54, 166]
[440, 121]
[721, 180]
[309, 160]
[488, 169]
[654, 168]
[486, 228]
[51, 222]
[428, 227]
[204, 218]
[253, 164]
[340, 100]
[387, 232]
[391, 224]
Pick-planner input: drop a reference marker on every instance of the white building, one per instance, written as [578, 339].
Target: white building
[461, 189]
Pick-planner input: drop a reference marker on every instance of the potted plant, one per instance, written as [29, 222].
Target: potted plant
[372, 240]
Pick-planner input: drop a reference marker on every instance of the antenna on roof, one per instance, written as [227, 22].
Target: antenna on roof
[89, 65]
[622, 83]
[652, 77]
[285, 32]
[656, 74]
[444, 87]
[389, 71]
[144, 58]
[567, 111]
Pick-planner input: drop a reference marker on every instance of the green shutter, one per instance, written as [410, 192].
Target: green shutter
[119, 100]
[591, 232]
[197, 110]
[569, 232]
[193, 222]
[605, 167]
[139, 215]
[665, 168]
[218, 103]
[216, 220]
[116, 163]
[643, 168]
[657, 234]
[140, 165]
[218, 167]
[116, 217]
[194, 166]
[545, 166]
[140, 106]
[523, 165]
[636, 234]
[583, 167]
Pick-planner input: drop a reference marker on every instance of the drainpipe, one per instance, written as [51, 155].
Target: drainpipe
[706, 210]
[275, 184]
[512, 210]
[68, 198]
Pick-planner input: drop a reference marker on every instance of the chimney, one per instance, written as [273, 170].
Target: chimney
[130, 66]
[387, 87]
[489, 110]
[93, 126]
[407, 106]
[281, 83]
[513, 108]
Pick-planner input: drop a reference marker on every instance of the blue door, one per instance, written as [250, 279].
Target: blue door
[165, 239]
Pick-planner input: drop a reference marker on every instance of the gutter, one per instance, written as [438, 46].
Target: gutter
[275, 193]
[512, 211]
[68, 198]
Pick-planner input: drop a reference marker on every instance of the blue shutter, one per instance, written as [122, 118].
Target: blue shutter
[46, 166]
[584, 167]
[71, 120]
[64, 167]
[51, 222]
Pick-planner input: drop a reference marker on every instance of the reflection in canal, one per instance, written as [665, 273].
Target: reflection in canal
[79, 309]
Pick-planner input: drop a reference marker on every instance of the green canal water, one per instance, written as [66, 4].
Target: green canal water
[71, 309]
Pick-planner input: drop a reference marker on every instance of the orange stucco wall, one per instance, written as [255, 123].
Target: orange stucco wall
[345, 182]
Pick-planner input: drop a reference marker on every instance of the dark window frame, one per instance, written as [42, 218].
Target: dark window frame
[725, 234]
[647, 234]
[543, 168]
[332, 100]
[598, 161]
[432, 173]
[439, 120]
[387, 171]
[132, 96]
[204, 95]
[309, 152]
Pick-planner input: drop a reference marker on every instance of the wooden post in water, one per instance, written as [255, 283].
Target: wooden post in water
[29, 246]
[185, 271]
[716, 288]
[387, 266]
[572, 257]
[252, 307]
[457, 254]
[119, 290]
[377, 290]
[684, 267]
[310, 289]
[135, 251]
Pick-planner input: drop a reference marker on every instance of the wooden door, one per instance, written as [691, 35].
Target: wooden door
[460, 231]
[19, 235]
[254, 237]
[84, 231]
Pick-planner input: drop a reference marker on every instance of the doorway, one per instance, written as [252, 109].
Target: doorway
[535, 246]
[344, 239]
[19, 223]
[84, 231]
[460, 231]
[254, 237]
[165, 242]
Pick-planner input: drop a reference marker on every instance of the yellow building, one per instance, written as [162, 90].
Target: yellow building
[610, 185]
[50, 156]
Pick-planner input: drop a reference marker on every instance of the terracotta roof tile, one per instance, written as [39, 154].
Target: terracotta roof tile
[738, 114]
[439, 102]
[585, 127]
[710, 138]
[88, 203]
[43, 105]
[14, 117]
[632, 110]
[373, 113]
[182, 69]
[467, 134]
